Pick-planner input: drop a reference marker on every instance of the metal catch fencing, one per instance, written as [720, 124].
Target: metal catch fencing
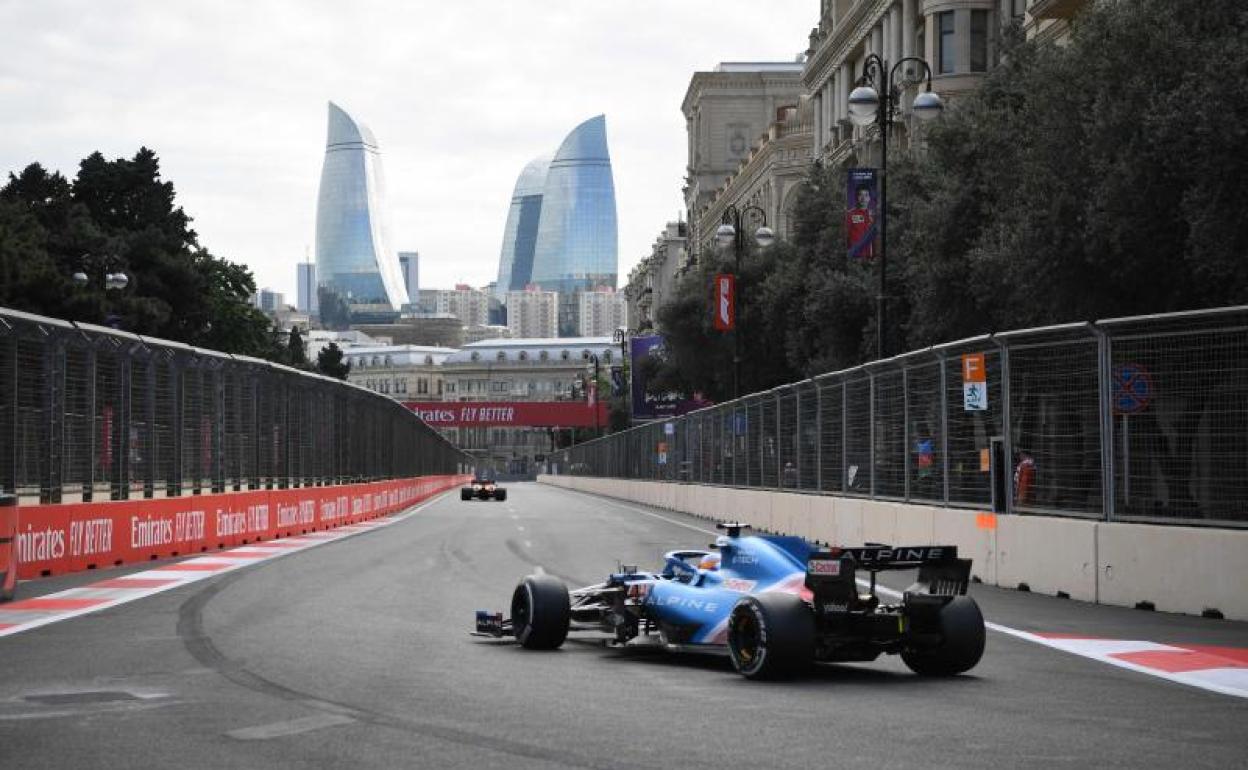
[1130, 419]
[92, 413]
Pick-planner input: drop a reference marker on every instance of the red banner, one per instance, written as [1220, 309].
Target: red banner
[725, 302]
[519, 414]
[69, 537]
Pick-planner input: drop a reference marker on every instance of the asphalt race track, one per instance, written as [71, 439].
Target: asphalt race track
[356, 654]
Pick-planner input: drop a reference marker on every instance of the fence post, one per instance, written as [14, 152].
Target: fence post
[905, 428]
[150, 445]
[944, 425]
[1007, 439]
[844, 440]
[121, 479]
[871, 427]
[778, 448]
[8, 474]
[54, 418]
[218, 428]
[818, 436]
[1105, 398]
[92, 448]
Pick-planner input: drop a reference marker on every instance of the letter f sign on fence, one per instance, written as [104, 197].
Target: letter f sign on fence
[725, 302]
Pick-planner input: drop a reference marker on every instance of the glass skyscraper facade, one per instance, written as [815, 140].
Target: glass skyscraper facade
[576, 246]
[353, 257]
[515, 263]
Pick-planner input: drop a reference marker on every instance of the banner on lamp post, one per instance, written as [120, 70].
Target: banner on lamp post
[724, 302]
[861, 208]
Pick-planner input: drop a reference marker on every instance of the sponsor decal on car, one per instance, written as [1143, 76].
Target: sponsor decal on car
[830, 567]
[740, 585]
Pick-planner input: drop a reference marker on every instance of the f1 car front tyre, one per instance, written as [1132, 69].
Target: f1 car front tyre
[962, 645]
[500, 495]
[771, 635]
[465, 494]
[541, 612]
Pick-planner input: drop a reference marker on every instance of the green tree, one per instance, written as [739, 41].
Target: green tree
[120, 215]
[330, 362]
[296, 354]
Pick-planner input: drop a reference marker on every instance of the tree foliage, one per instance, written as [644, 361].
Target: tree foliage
[119, 216]
[330, 362]
[1101, 178]
[296, 354]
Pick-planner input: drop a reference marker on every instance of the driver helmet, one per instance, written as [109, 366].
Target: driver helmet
[710, 561]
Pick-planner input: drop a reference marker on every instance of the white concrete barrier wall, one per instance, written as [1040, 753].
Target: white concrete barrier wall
[1177, 569]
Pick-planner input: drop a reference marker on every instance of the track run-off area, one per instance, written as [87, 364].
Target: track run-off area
[351, 649]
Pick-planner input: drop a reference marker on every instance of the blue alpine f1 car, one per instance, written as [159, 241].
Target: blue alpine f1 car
[775, 604]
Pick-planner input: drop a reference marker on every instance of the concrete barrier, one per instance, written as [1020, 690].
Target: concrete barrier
[1175, 569]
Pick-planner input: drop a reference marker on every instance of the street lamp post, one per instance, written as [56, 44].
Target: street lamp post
[731, 233]
[867, 106]
[112, 281]
[596, 395]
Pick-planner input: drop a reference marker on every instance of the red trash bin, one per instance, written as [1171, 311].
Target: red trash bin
[8, 546]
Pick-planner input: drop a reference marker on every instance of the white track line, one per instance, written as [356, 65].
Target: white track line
[1227, 681]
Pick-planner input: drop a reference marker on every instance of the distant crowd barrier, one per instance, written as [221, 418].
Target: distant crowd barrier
[1140, 420]
[90, 414]
[69, 537]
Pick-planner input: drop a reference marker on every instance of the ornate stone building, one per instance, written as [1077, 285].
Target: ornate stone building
[768, 177]
[960, 40]
[726, 112]
[653, 281]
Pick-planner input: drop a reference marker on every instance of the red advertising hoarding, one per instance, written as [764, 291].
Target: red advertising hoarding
[69, 537]
[519, 414]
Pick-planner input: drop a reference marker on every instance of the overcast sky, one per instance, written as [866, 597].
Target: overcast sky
[460, 94]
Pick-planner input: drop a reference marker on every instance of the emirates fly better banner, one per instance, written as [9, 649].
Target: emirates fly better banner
[492, 414]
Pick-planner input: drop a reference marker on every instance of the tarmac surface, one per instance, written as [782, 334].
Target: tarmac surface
[357, 654]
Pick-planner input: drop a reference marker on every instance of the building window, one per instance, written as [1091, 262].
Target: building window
[564, 355]
[476, 356]
[606, 356]
[422, 386]
[544, 355]
[428, 360]
[389, 360]
[376, 360]
[502, 355]
[524, 355]
[979, 41]
[947, 53]
[452, 387]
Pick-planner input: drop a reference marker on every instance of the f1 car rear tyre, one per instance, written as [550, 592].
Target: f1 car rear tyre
[541, 612]
[771, 635]
[962, 626]
[500, 495]
[465, 494]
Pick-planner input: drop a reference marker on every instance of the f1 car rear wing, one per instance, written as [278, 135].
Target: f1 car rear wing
[877, 558]
[941, 573]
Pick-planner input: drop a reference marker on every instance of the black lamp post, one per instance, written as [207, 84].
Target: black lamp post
[597, 394]
[731, 233]
[867, 106]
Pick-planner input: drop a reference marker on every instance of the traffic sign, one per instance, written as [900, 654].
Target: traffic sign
[974, 383]
[1133, 388]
